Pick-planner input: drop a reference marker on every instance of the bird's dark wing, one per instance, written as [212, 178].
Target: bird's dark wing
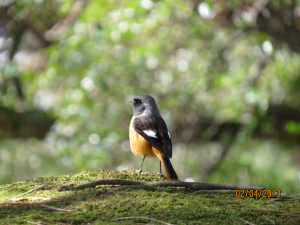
[155, 131]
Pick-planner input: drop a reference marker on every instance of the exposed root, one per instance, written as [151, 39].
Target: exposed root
[141, 184]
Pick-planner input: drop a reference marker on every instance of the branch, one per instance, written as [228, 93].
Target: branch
[206, 129]
[192, 185]
[57, 209]
[20, 26]
[60, 29]
[18, 86]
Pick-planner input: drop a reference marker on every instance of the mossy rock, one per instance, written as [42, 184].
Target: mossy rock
[104, 203]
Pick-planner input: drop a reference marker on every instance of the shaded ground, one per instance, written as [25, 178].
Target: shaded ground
[104, 203]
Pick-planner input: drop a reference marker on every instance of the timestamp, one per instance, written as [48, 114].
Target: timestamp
[258, 193]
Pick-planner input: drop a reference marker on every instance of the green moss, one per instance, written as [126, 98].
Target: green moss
[173, 205]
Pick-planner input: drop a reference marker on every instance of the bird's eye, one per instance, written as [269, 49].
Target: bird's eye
[138, 102]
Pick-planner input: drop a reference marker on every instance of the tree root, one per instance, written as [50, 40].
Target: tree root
[143, 184]
[215, 192]
[146, 187]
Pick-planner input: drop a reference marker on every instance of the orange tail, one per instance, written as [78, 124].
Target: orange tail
[171, 174]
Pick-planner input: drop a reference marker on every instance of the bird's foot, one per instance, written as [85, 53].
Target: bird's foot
[140, 171]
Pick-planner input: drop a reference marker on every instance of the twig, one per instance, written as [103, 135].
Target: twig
[272, 221]
[192, 185]
[274, 206]
[16, 201]
[32, 190]
[140, 217]
[6, 186]
[28, 199]
[38, 223]
[245, 221]
[57, 209]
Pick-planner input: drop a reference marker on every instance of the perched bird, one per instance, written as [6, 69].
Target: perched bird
[149, 135]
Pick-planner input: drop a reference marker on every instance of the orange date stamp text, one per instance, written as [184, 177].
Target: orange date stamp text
[258, 193]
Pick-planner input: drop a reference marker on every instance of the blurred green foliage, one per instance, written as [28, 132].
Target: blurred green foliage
[195, 68]
[293, 128]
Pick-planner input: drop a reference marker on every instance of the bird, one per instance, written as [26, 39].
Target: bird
[149, 135]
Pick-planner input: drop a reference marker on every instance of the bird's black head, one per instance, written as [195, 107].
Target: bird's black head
[144, 105]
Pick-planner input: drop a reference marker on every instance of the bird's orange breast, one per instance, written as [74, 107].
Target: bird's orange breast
[138, 144]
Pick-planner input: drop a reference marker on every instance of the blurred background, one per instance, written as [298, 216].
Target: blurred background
[225, 75]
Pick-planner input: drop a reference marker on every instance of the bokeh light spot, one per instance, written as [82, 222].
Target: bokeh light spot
[146, 4]
[94, 138]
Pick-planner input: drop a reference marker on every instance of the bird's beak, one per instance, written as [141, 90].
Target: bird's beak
[131, 101]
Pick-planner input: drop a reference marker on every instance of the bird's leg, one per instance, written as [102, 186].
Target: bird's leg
[159, 168]
[140, 170]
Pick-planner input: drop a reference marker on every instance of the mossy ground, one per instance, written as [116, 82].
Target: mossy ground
[103, 203]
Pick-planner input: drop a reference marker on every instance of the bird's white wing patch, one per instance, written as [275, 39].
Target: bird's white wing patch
[169, 134]
[150, 133]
